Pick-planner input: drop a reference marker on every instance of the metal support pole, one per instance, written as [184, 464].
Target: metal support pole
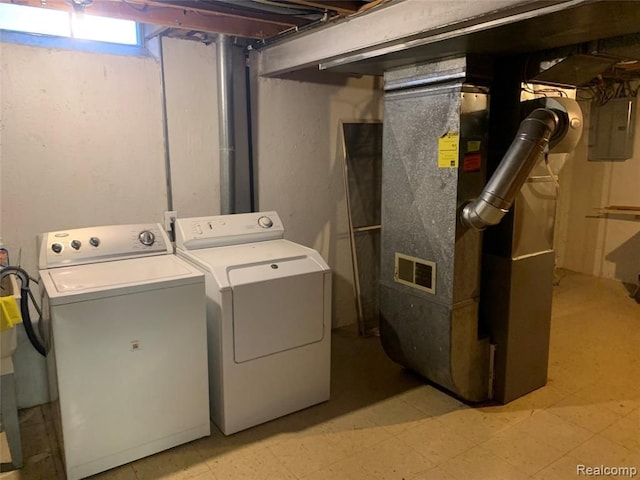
[226, 125]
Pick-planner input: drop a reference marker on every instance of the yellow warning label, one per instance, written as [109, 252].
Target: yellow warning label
[448, 146]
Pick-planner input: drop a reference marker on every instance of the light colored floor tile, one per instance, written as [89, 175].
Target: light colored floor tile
[5, 455]
[554, 431]
[393, 459]
[564, 468]
[480, 464]
[358, 418]
[395, 415]
[566, 377]
[350, 442]
[618, 392]
[306, 455]
[205, 476]
[477, 425]
[592, 416]
[125, 472]
[521, 450]
[431, 401]
[626, 431]
[180, 463]
[218, 444]
[260, 465]
[600, 450]
[347, 469]
[436, 473]
[385, 423]
[435, 441]
[511, 413]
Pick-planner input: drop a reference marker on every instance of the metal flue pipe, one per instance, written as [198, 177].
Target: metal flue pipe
[226, 125]
[514, 169]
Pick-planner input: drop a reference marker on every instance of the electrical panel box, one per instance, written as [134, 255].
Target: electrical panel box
[612, 130]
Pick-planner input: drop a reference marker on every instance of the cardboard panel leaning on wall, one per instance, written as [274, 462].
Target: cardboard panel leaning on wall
[299, 169]
[81, 145]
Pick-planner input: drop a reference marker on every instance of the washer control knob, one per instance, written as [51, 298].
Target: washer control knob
[265, 222]
[94, 241]
[146, 238]
[76, 244]
[56, 247]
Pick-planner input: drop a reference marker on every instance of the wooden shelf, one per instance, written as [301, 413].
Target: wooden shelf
[619, 210]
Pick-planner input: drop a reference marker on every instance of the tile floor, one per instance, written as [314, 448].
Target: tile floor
[385, 423]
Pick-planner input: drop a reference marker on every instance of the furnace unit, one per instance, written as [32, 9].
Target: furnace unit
[437, 199]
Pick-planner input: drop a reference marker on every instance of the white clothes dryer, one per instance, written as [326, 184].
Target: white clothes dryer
[127, 357]
[268, 317]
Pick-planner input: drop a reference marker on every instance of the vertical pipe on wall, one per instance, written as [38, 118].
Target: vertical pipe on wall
[252, 194]
[165, 128]
[225, 115]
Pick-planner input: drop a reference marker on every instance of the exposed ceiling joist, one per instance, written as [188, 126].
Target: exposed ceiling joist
[221, 20]
[342, 7]
[223, 9]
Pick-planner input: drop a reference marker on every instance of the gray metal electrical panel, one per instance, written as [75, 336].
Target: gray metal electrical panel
[612, 130]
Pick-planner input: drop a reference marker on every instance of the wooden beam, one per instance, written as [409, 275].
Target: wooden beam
[189, 19]
[340, 7]
[224, 10]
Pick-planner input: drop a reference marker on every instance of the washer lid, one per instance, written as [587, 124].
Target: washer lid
[87, 282]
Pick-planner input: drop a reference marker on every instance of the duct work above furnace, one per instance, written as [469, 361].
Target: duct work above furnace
[559, 125]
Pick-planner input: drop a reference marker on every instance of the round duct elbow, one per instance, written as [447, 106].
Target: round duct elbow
[512, 172]
[480, 214]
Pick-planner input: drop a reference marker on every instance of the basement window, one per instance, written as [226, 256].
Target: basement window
[53, 28]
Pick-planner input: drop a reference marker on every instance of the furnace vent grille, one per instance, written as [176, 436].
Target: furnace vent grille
[415, 272]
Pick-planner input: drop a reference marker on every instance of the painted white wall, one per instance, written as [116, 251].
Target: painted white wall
[192, 114]
[299, 165]
[193, 127]
[606, 246]
[81, 142]
[81, 145]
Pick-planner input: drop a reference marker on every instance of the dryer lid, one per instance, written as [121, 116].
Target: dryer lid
[271, 270]
[255, 262]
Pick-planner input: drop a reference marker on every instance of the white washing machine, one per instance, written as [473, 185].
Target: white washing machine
[268, 317]
[127, 356]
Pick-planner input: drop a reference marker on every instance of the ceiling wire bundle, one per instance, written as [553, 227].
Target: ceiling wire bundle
[545, 92]
[606, 90]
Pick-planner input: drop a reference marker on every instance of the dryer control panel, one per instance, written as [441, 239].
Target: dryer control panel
[216, 231]
[101, 244]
